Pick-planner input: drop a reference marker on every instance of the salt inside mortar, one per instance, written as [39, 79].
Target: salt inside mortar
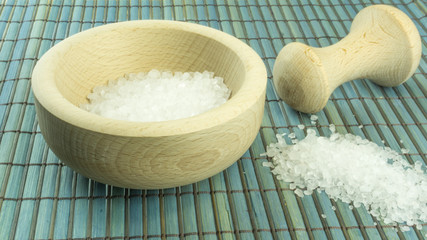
[355, 171]
[158, 96]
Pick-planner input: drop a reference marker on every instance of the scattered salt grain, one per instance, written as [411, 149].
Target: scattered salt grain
[334, 208]
[299, 192]
[292, 186]
[267, 164]
[332, 128]
[356, 171]
[313, 119]
[360, 126]
[323, 216]
[300, 126]
[307, 192]
[404, 228]
[158, 96]
[404, 150]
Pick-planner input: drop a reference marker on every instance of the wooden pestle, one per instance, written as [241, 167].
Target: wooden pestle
[383, 45]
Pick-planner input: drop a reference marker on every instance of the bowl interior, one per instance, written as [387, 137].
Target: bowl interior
[105, 55]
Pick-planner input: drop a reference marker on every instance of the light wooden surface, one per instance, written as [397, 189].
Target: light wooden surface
[383, 45]
[148, 155]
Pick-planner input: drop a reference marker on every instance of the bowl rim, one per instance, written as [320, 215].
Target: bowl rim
[47, 94]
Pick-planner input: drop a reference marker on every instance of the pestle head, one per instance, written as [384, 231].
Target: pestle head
[300, 79]
[383, 45]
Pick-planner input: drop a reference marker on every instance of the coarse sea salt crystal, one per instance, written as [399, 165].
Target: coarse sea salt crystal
[404, 150]
[158, 96]
[299, 192]
[332, 128]
[404, 228]
[313, 119]
[355, 171]
[267, 164]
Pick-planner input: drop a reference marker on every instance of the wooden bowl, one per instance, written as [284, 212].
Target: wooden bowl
[154, 154]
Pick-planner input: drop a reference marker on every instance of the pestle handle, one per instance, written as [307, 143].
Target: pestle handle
[383, 45]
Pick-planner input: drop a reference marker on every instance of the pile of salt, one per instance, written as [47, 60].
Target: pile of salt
[355, 171]
[158, 96]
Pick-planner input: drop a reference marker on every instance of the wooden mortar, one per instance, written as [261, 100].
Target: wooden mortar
[148, 155]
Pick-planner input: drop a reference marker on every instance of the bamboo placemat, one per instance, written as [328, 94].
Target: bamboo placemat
[43, 199]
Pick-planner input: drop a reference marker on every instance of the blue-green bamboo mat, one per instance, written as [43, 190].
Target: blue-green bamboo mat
[43, 199]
